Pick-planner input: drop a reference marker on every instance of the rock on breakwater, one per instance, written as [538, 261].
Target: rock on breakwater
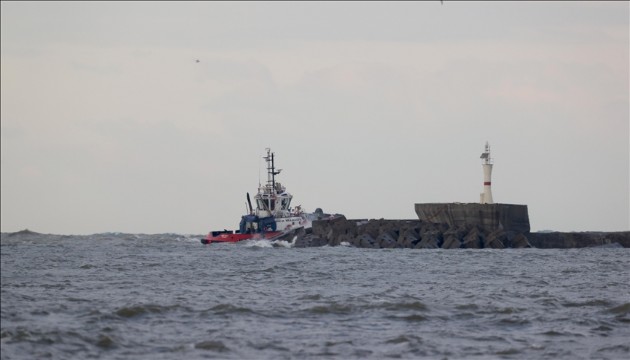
[418, 234]
[567, 240]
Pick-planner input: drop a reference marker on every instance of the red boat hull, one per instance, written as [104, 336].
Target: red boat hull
[232, 238]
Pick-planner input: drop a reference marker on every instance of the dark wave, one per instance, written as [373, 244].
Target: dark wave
[623, 309]
[117, 296]
[333, 308]
[398, 306]
[596, 302]
[225, 309]
[409, 318]
[138, 310]
[212, 345]
[105, 342]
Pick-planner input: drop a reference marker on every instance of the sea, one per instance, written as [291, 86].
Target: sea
[167, 296]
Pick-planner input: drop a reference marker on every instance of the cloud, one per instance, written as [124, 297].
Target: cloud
[108, 119]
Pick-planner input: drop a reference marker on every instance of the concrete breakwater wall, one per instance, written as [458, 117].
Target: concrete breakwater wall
[417, 234]
[378, 234]
[509, 217]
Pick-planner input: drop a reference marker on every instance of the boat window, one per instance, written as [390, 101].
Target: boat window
[261, 204]
[265, 204]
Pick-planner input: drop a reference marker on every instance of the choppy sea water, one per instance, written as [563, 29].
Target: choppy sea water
[121, 296]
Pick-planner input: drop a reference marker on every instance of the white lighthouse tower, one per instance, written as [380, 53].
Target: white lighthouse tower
[486, 195]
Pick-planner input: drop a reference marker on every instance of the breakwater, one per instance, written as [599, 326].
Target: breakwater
[509, 217]
[418, 234]
[568, 240]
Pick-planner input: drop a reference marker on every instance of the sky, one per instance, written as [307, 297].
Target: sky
[109, 123]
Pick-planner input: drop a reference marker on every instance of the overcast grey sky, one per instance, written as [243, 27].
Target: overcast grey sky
[110, 125]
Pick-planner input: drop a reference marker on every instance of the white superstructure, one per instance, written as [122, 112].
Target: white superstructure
[273, 200]
[486, 195]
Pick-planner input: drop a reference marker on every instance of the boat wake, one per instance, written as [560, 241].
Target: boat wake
[264, 243]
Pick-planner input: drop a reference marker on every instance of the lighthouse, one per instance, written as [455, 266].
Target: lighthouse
[486, 214]
[486, 163]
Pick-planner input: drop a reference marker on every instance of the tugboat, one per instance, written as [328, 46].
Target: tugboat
[273, 215]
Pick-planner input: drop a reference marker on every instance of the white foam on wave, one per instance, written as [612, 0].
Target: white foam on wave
[282, 243]
[264, 243]
[261, 243]
[189, 238]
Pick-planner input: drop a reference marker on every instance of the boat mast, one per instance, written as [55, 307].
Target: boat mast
[271, 169]
[273, 174]
[269, 191]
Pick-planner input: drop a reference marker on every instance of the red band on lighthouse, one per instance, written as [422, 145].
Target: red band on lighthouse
[486, 183]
